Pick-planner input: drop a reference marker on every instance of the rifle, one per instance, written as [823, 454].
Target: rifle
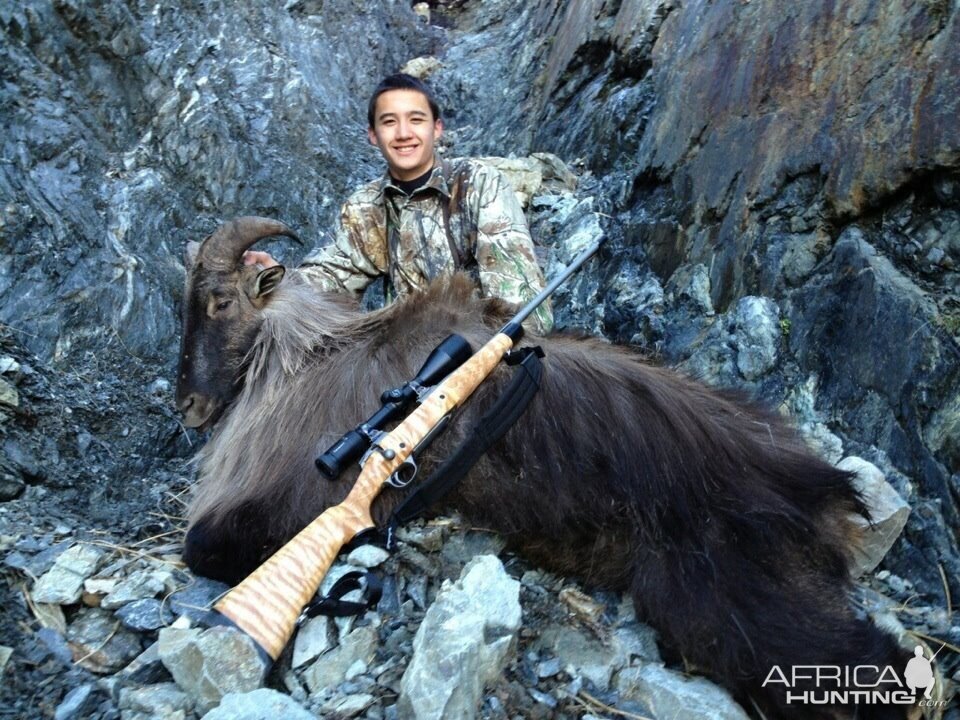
[267, 604]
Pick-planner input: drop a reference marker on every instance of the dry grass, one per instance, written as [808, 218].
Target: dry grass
[589, 702]
[137, 553]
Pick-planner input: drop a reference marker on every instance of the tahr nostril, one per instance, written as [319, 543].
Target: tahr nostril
[196, 408]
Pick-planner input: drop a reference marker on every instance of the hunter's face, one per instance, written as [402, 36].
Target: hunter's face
[405, 131]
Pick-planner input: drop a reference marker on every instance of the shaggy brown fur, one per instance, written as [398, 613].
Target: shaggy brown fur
[732, 538]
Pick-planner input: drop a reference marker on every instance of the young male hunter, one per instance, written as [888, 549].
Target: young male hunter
[426, 216]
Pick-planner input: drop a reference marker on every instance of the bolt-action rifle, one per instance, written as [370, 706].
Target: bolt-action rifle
[267, 604]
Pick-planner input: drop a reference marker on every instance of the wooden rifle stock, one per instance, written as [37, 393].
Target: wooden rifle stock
[267, 604]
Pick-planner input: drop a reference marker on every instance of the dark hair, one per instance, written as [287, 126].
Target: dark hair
[402, 81]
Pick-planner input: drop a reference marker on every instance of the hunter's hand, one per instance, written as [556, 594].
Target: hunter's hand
[256, 257]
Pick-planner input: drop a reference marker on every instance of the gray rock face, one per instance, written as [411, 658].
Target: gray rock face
[888, 513]
[78, 703]
[148, 614]
[623, 57]
[199, 595]
[690, 285]
[312, 639]
[11, 486]
[261, 704]
[670, 694]
[99, 643]
[331, 669]
[208, 664]
[758, 336]
[63, 583]
[140, 585]
[347, 706]
[574, 225]
[9, 395]
[583, 655]
[462, 643]
[165, 700]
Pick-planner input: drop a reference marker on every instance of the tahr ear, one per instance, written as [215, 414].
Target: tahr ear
[266, 281]
[190, 254]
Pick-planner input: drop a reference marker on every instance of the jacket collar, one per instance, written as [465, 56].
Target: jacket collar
[437, 181]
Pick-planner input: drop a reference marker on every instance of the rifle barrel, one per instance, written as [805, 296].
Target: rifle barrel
[512, 328]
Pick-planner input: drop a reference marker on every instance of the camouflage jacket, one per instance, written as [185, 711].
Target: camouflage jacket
[465, 217]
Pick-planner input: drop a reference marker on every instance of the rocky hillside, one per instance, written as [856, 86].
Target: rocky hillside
[781, 188]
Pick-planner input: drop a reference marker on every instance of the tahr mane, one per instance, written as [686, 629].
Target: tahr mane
[298, 321]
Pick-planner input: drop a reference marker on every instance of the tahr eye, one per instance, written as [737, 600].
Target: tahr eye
[223, 304]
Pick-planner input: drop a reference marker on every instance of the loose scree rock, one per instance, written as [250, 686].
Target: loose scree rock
[733, 539]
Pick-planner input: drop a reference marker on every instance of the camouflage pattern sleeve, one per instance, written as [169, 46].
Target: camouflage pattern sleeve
[355, 258]
[507, 264]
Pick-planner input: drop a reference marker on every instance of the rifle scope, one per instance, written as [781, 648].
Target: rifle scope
[444, 359]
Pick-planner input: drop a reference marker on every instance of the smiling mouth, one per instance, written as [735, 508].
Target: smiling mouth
[406, 149]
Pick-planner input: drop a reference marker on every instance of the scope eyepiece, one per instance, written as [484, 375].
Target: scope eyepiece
[347, 449]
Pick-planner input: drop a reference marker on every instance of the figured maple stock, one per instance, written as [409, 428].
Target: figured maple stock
[268, 602]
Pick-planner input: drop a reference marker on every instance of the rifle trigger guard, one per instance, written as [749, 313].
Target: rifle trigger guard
[404, 474]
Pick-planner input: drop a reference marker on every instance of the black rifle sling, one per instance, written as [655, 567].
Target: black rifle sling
[455, 251]
[492, 426]
[333, 604]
